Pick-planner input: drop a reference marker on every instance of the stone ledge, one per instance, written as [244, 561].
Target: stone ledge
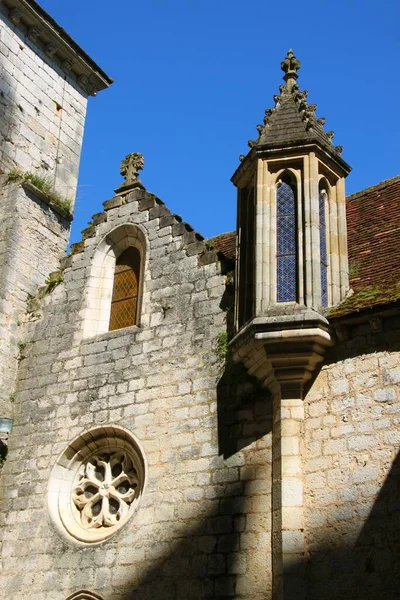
[284, 351]
[27, 185]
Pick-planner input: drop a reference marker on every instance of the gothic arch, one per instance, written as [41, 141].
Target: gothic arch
[101, 280]
[84, 595]
[287, 253]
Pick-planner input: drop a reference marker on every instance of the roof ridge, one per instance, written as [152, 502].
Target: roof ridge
[373, 188]
[222, 234]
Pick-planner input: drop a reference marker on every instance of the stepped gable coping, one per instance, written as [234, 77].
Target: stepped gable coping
[292, 121]
[42, 30]
[131, 190]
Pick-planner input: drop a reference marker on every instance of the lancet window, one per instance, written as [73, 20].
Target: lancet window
[322, 246]
[286, 242]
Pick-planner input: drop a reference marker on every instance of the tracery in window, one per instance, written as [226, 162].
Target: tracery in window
[96, 484]
[286, 241]
[124, 303]
[322, 247]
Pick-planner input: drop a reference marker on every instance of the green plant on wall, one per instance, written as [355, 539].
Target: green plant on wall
[44, 184]
[53, 280]
[222, 348]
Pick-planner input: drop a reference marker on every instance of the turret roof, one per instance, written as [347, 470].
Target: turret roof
[292, 120]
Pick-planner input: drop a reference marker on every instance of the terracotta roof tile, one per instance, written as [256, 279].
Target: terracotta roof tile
[226, 244]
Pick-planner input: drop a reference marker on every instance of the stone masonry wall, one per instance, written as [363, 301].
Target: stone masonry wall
[27, 226]
[42, 112]
[352, 477]
[203, 527]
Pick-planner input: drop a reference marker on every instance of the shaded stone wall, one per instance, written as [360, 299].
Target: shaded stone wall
[352, 480]
[33, 238]
[203, 527]
[42, 116]
[42, 113]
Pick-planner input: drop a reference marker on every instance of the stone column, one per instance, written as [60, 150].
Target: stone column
[288, 549]
[342, 232]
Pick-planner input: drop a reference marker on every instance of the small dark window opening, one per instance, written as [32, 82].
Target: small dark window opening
[246, 213]
[124, 303]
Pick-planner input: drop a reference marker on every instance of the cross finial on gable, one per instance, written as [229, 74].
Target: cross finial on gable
[130, 167]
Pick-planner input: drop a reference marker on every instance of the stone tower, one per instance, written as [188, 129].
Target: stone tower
[46, 79]
[292, 265]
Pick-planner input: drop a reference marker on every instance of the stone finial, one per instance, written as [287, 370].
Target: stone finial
[290, 66]
[130, 167]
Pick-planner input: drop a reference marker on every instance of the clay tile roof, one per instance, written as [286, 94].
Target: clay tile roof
[226, 244]
[373, 229]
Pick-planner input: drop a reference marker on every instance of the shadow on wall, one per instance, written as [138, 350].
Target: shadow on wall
[368, 567]
[349, 561]
[244, 405]
[208, 559]
[201, 561]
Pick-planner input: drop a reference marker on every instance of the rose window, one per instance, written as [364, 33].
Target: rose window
[107, 486]
[96, 484]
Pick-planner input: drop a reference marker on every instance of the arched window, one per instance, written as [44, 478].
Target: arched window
[124, 302]
[84, 595]
[322, 246]
[286, 241]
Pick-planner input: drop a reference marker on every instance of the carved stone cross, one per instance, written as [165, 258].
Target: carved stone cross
[130, 167]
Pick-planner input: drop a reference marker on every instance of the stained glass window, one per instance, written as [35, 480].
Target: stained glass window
[323, 249]
[125, 291]
[286, 255]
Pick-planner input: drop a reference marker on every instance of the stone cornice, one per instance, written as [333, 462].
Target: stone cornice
[307, 146]
[51, 39]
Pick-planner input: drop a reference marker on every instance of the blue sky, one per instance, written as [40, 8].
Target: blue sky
[192, 80]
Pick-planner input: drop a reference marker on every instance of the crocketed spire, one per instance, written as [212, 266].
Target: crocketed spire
[292, 120]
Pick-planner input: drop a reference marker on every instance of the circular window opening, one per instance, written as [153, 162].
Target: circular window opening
[97, 484]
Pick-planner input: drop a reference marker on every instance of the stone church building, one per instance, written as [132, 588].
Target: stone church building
[183, 418]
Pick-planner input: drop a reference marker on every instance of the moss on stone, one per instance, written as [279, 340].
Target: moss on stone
[371, 295]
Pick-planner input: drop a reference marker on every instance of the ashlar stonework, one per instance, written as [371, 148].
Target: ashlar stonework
[238, 438]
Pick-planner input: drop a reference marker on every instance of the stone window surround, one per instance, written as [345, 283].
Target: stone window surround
[64, 477]
[330, 218]
[96, 314]
[84, 595]
[295, 177]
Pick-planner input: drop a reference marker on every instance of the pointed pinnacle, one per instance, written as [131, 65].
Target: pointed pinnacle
[290, 66]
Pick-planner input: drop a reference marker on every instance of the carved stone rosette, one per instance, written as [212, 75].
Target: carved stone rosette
[106, 487]
[96, 484]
